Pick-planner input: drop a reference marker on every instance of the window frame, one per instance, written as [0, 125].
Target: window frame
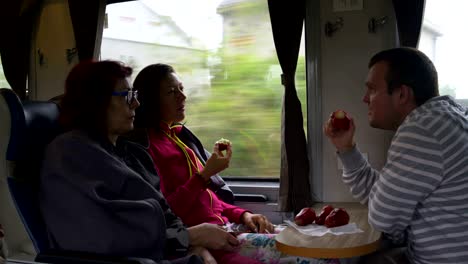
[256, 185]
[270, 186]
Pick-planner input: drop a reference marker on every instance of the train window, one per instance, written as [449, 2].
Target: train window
[225, 54]
[3, 81]
[444, 41]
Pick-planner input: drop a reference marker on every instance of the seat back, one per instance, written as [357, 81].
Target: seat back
[33, 125]
[16, 236]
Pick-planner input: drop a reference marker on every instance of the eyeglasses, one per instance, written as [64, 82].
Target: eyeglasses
[130, 95]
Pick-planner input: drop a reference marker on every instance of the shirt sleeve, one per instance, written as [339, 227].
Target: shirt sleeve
[233, 213]
[358, 174]
[413, 171]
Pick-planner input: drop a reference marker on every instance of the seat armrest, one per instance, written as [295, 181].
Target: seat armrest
[259, 198]
[74, 257]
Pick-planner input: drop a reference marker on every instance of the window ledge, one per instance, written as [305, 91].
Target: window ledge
[252, 184]
[269, 189]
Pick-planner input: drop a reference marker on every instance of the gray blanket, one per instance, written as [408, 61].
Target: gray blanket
[99, 198]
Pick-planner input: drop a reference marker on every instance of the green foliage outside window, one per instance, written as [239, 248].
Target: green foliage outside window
[244, 105]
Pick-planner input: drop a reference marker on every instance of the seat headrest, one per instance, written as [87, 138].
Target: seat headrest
[41, 125]
[33, 125]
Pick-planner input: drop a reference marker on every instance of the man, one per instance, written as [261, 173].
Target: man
[420, 197]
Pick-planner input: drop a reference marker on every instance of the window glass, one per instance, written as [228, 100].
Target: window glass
[3, 81]
[223, 51]
[444, 40]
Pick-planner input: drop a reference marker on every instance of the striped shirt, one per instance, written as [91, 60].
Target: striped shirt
[421, 194]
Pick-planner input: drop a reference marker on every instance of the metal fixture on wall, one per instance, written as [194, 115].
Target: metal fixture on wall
[71, 53]
[41, 57]
[375, 23]
[332, 27]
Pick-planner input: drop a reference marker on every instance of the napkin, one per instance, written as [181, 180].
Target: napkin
[320, 230]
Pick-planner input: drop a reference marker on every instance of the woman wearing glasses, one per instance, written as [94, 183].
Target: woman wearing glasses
[189, 179]
[100, 193]
[188, 173]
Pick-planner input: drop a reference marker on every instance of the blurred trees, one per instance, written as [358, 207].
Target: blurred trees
[244, 105]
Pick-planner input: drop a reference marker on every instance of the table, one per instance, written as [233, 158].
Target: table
[292, 242]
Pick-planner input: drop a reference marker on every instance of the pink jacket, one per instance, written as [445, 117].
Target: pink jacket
[186, 192]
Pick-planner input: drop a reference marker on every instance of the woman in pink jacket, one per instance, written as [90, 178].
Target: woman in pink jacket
[188, 181]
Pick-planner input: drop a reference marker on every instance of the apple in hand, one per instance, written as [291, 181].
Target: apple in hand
[337, 217]
[326, 210]
[340, 120]
[305, 217]
[223, 144]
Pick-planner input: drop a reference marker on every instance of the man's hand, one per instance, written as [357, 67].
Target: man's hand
[257, 223]
[204, 253]
[342, 139]
[212, 236]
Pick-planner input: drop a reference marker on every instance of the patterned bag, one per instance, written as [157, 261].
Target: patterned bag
[262, 247]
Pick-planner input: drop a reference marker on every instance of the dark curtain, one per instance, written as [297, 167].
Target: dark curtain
[17, 18]
[287, 19]
[117, 1]
[409, 16]
[85, 16]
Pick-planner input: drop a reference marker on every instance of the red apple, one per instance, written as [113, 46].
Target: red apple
[305, 217]
[337, 217]
[340, 120]
[326, 210]
[223, 144]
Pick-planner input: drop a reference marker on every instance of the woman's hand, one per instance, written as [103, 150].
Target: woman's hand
[216, 163]
[343, 140]
[204, 253]
[212, 236]
[257, 223]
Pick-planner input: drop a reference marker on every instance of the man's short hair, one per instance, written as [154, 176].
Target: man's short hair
[411, 67]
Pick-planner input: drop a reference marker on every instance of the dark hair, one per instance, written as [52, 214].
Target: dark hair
[88, 91]
[148, 84]
[410, 67]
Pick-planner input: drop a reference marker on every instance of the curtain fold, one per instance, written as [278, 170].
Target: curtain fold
[17, 19]
[86, 16]
[409, 17]
[16, 24]
[117, 1]
[287, 18]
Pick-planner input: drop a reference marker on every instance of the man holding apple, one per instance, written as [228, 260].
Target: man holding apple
[419, 197]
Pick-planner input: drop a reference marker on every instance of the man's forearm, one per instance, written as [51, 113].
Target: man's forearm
[357, 173]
